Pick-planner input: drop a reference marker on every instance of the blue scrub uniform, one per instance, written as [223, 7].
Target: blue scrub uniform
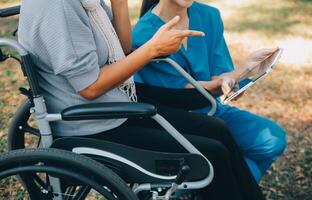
[260, 139]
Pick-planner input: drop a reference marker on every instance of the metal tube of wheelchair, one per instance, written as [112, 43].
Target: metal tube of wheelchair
[56, 184]
[41, 114]
[13, 44]
[192, 81]
[39, 109]
[190, 148]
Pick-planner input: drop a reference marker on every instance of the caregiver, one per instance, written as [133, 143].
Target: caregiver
[207, 59]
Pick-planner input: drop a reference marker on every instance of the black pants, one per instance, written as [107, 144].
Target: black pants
[232, 180]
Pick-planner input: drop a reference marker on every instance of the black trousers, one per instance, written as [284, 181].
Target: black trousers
[232, 180]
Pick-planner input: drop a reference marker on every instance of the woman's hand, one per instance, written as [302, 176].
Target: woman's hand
[167, 40]
[228, 83]
[255, 63]
[164, 42]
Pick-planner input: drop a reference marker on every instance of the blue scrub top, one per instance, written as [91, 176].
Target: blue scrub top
[205, 56]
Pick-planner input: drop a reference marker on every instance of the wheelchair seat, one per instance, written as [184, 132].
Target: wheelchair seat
[136, 165]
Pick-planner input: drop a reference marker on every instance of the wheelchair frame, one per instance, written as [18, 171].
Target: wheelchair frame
[43, 118]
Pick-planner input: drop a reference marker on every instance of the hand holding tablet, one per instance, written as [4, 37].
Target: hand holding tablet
[255, 72]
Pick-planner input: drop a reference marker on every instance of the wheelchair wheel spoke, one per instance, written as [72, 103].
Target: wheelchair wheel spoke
[39, 181]
[82, 193]
[71, 191]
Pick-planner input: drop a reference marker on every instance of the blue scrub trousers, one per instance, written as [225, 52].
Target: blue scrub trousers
[260, 139]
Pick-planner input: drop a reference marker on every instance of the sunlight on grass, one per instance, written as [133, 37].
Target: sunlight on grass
[285, 23]
[6, 3]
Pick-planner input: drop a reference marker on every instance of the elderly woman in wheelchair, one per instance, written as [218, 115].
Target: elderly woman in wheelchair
[83, 98]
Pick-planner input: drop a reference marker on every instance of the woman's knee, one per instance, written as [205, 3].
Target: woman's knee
[279, 140]
[274, 141]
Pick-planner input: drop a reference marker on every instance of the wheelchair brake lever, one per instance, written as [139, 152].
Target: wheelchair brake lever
[181, 176]
[172, 188]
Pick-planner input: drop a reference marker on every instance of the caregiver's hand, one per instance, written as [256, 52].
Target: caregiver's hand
[255, 63]
[167, 40]
[222, 85]
[227, 85]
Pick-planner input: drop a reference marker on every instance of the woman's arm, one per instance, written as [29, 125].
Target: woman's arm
[164, 42]
[122, 23]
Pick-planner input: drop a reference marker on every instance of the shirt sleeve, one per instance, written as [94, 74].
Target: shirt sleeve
[67, 43]
[222, 61]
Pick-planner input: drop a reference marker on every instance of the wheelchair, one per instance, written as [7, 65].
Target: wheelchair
[82, 168]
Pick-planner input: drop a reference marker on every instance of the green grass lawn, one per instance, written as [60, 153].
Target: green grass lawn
[285, 96]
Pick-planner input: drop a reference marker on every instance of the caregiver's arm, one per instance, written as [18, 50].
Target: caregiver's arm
[165, 41]
[122, 24]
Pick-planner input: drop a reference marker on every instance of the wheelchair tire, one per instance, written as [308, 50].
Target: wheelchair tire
[73, 171]
[19, 127]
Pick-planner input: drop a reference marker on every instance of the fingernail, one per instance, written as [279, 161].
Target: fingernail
[176, 17]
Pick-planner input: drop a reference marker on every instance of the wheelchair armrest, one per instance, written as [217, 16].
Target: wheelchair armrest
[108, 111]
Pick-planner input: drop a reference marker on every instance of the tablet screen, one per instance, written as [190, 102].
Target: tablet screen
[244, 82]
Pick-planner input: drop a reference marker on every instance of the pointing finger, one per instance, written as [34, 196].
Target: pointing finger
[169, 25]
[190, 33]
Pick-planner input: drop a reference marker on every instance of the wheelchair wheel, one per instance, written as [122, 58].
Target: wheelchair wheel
[22, 134]
[80, 177]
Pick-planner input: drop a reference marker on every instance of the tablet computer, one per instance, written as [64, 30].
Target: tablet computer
[246, 83]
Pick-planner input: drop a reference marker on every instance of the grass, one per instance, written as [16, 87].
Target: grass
[273, 18]
[284, 96]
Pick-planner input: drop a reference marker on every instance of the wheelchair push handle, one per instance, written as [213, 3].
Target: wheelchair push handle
[11, 11]
[28, 66]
